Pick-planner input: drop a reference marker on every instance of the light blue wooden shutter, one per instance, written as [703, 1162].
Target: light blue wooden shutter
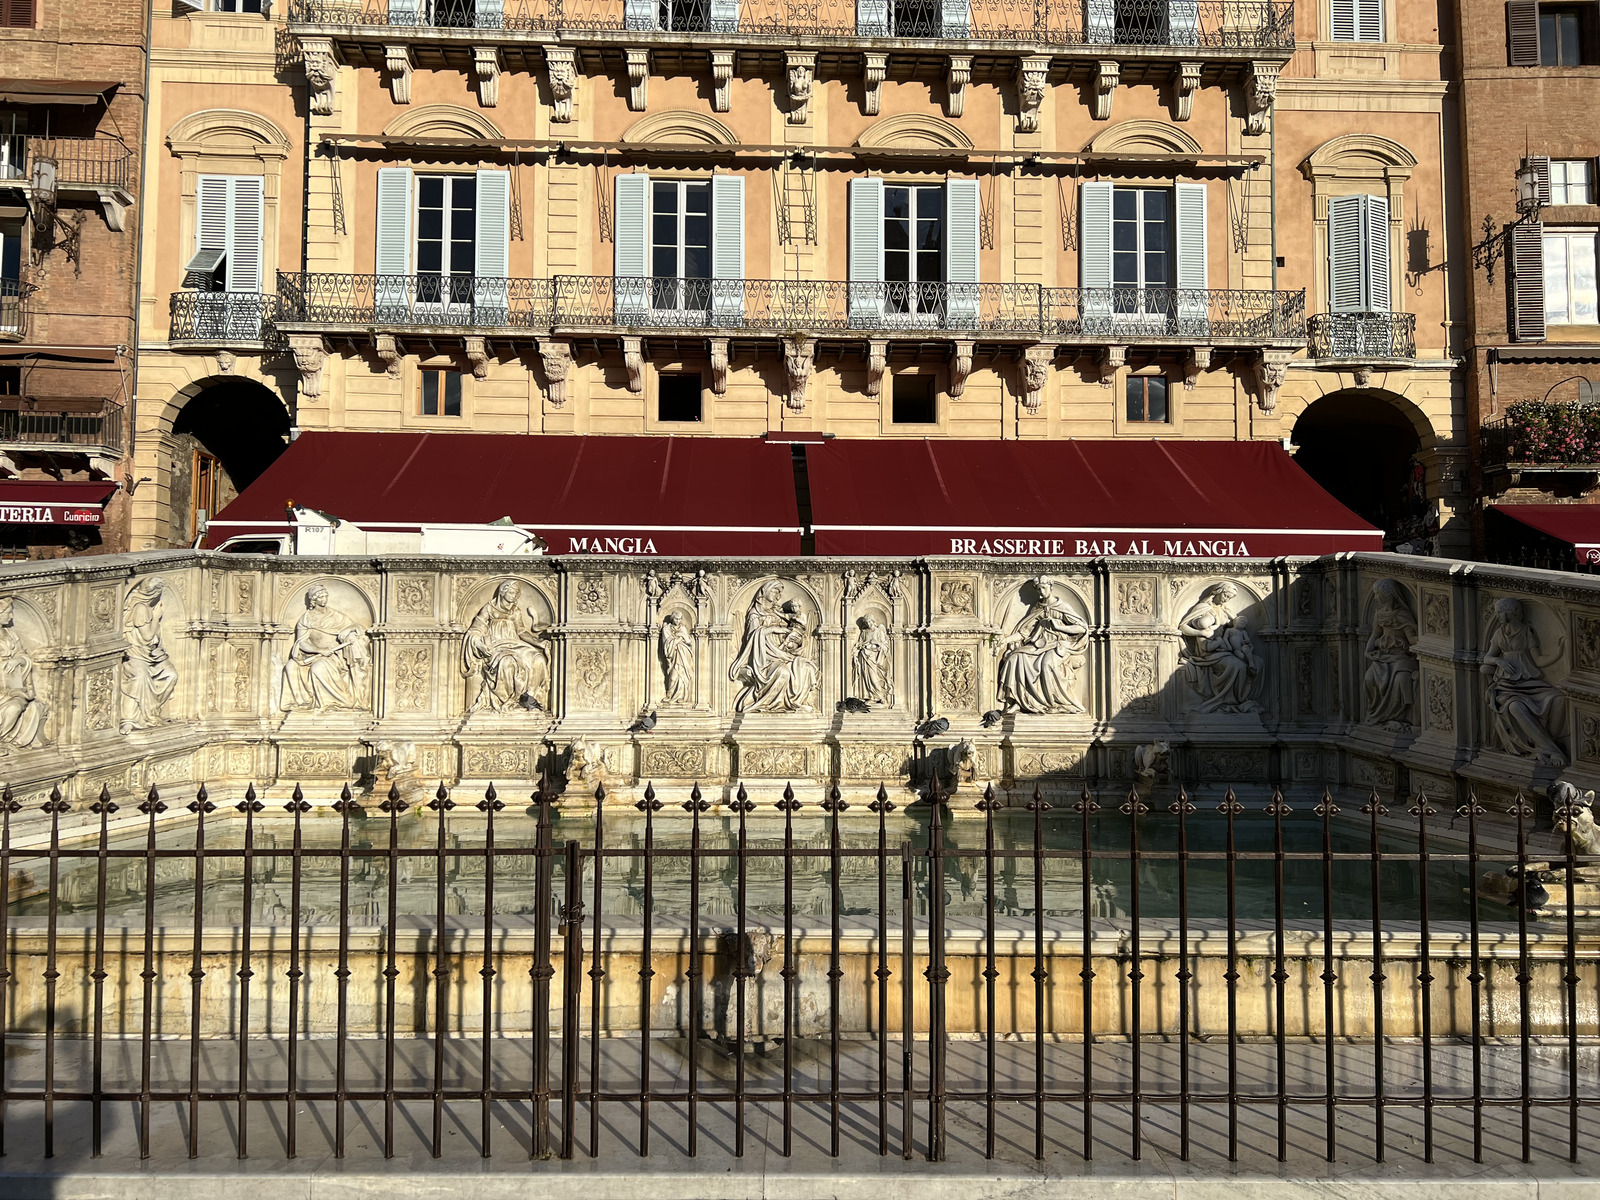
[1190, 218]
[405, 12]
[961, 205]
[1094, 257]
[632, 248]
[872, 18]
[1183, 22]
[638, 14]
[1377, 253]
[492, 249]
[956, 18]
[392, 259]
[727, 249]
[1100, 22]
[488, 14]
[724, 16]
[866, 253]
[1347, 284]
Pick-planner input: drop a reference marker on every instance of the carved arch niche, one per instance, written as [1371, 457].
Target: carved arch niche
[1012, 603]
[443, 120]
[345, 599]
[682, 127]
[1358, 164]
[229, 141]
[1390, 671]
[917, 131]
[1213, 678]
[1142, 137]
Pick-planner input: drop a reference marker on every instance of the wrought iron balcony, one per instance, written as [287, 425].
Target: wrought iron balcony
[1249, 25]
[80, 162]
[224, 318]
[1364, 336]
[1540, 435]
[14, 310]
[414, 301]
[1140, 316]
[54, 423]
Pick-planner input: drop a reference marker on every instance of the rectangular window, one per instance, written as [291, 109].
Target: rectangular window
[1569, 277]
[16, 14]
[913, 400]
[1355, 20]
[1571, 181]
[441, 393]
[680, 244]
[678, 397]
[10, 276]
[913, 249]
[13, 144]
[1565, 33]
[10, 381]
[1141, 238]
[1147, 398]
[237, 6]
[205, 486]
[447, 228]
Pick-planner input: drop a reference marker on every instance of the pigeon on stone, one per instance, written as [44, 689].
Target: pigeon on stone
[644, 724]
[530, 702]
[852, 705]
[993, 717]
[933, 727]
[1532, 895]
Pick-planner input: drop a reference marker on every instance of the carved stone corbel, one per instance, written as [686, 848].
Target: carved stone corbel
[397, 62]
[1361, 376]
[960, 367]
[486, 66]
[957, 75]
[873, 69]
[802, 69]
[798, 359]
[638, 79]
[478, 356]
[1260, 90]
[877, 362]
[1199, 360]
[1108, 74]
[633, 359]
[719, 366]
[1271, 371]
[1032, 75]
[387, 347]
[1184, 85]
[322, 69]
[310, 354]
[226, 361]
[722, 79]
[556, 358]
[1112, 360]
[563, 76]
[1036, 362]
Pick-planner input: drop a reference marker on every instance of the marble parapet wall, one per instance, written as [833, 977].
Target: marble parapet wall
[1399, 673]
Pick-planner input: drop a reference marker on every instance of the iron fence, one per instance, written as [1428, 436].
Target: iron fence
[47, 421]
[456, 301]
[93, 162]
[235, 318]
[1142, 314]
[1211, 24]
[14, 309]
[1363, 335]
[1253, 961]
[1562, 437]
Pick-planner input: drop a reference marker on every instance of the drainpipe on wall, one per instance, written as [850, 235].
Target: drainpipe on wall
[137, 232]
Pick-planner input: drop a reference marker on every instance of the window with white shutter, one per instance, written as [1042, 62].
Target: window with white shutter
[1571, 181]
[1355, 20]
[727, 249]
[914, 252]
[228, 234]
[1358, 254]
[630, 265]
[962, 204]
[1191, 304]
[392, 251]
[866, 252]
[1569, 277]
[492, 251]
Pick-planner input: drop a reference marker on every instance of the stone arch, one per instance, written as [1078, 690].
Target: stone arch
[472, 599]
[1363, 154]
[1143, 137]
[443, 120]
[1010, 603]
[344, 595]
[1362, 444]
[227, 131]
[739, 604]
[241, 423]
[681, 125]
[916, 131]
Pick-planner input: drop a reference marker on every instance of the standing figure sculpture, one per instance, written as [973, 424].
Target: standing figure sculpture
[772, 670]
[502, 651]
[873, 674]
[22, 713]
[1219, 659]
[677, 660]
[148, 676]
[1042, 655]
[329, 662]
[1391, 679]
[1522, 702]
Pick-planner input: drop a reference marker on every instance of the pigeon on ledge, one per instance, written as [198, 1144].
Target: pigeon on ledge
[933, 727]
[852, 705]
[993, 717]
[643, 724]
[528, 701]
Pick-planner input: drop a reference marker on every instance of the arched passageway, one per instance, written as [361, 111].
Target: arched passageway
[1364, 450]
[222, 440]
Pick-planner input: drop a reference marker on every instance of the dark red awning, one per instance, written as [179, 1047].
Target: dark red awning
[1576, 524]
[53, 502]
[1074, 499]
[607, 495]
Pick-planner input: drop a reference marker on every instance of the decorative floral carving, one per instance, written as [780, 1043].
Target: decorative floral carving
[102, 610]
[1586, 643]
[956, 597]
[1234, 766]
[675, 762]
[170, 770]
[1305, 681]
[957, 679]
[1436, 614]
[1365, 773]
[873, 762]
[1261, 90]
[498, 762]
[239, 676]
[1589, 737]
[297, 764]
[1441, 704]
[592, 594]
[100, 699]
[772, 762]
[413, 677]
[1031, 764]
[1136, 597]
[413, 595]
[592, 665]
[1136, 679]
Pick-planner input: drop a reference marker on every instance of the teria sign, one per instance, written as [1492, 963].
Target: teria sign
[48, 514]
[1104, 546]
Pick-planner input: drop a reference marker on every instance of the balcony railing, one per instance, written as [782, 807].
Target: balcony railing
[13, 310]
[228, 317]
[776, 307]
[1214, 24]
[49, 422]
[82, 162]
[1544, 435]
[1363, 335]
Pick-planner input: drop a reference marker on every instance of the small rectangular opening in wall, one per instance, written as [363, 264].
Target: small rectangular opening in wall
[441, 394]
[678, 397]
[1147, 398]
[10, 381]
[913, 400]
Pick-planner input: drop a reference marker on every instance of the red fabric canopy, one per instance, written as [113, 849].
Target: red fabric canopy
[1074, 499]
[608, 495]
[1576, 524]
[53, 502]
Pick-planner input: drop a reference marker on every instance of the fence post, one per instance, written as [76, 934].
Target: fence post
[936, 972]
[572, 984]
[540, 972]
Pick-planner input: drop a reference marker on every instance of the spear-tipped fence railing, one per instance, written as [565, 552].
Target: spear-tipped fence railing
[83, 895]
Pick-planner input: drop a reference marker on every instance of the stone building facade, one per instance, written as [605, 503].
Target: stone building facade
[71, 127]
[698, 219]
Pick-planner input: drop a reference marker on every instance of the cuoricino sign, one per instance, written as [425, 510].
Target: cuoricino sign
[49, 514]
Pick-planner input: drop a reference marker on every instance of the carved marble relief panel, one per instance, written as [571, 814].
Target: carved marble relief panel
[327, 664]
[1441, 703]
[774, 669]
[1390, 662]
[1038, 764]
[411, 668]
[1222, 660]
[1366, 773]
[773, 762]
[1138, 683]
[1585, 642]
[1042, 650]
[314, 762]
[958, 597]
[1589, 736]
[591, 595]
[149, 675]
[591, 676]
[497, 762]
[102, 610]
[1524, 654]
[958, 679]
[100, 699]
[1435, 613]
[414, 595]
[873, 762]
[504, 655]
[666, 761]
[1233, 765]
[1136, 597]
